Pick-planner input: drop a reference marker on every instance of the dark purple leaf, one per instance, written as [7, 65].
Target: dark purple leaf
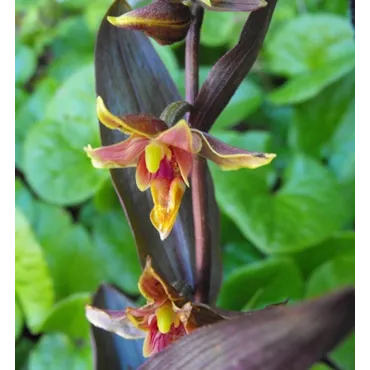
[111, 351]
[277, 338]
[131, 78]
[230, 70]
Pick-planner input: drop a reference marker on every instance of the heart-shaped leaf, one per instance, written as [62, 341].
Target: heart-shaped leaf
[306, 210]
[311, 62]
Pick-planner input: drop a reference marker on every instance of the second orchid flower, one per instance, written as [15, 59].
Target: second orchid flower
[163, 157]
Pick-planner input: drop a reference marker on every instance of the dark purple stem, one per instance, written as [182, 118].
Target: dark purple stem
[198, 180]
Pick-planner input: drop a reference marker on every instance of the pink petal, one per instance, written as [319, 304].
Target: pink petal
[143, 176]
[185, 161]
[119, 155]
[178, 136]
[229, 157]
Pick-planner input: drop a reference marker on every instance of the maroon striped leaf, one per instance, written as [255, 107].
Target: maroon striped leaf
[277, 338]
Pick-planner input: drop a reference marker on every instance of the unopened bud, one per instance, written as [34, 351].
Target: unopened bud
[232, 5]
[164, 21]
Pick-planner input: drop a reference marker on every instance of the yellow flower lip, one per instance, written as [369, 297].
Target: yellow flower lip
[166, 317]
[153, 156]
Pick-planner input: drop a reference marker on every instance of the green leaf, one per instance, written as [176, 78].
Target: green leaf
[312, 62]
[344, 354]
[54, 156]
[246, 100]
[75, 99]
[309, 84]
[337, 7]
[116, 250]
[57, 351]
[74, 264]
[105, 199]
[30, 113]
[305, 211]
[25, 63]
[22, 352]
[336, 273]
[285, 11]
[341, 150]
[295, 48]
[62, 68]
[65, 39]
[94, 11]
[68, 317]
[19, 322]
[260, 284]
[316, 120]
[330, 276]
[340, 244]
[237, 254]
[56, 166]
[24, 200]
[342, 146]
[33, 285]
[63, 244]
[216, 23]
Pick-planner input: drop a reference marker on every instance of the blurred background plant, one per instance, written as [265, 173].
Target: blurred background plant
[287, 229]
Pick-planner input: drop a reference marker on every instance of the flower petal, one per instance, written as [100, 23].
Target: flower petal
[140, 124]
[178, 136]
[118, 155]
[167, 197]
[153, 287]
[143, 176]
[229, 157]
[185, 161]
[114, 321]
[155, 341]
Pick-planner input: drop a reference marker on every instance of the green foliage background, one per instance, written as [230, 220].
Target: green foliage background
[287, 229]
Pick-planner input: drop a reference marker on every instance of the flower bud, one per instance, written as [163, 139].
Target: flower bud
[232, 5]
[164, 21]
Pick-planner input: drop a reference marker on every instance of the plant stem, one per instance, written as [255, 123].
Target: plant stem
[192, 56]
[198, 180]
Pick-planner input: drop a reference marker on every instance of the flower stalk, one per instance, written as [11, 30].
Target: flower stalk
[202, 233]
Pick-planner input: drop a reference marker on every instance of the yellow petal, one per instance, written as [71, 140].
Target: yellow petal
[167, 196]
[229, 157]
[139, 124]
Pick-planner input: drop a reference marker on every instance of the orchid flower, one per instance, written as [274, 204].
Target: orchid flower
[165, 318]
[163, 157]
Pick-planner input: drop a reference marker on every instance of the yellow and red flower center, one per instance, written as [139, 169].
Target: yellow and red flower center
[164, 328]
[160, 161]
